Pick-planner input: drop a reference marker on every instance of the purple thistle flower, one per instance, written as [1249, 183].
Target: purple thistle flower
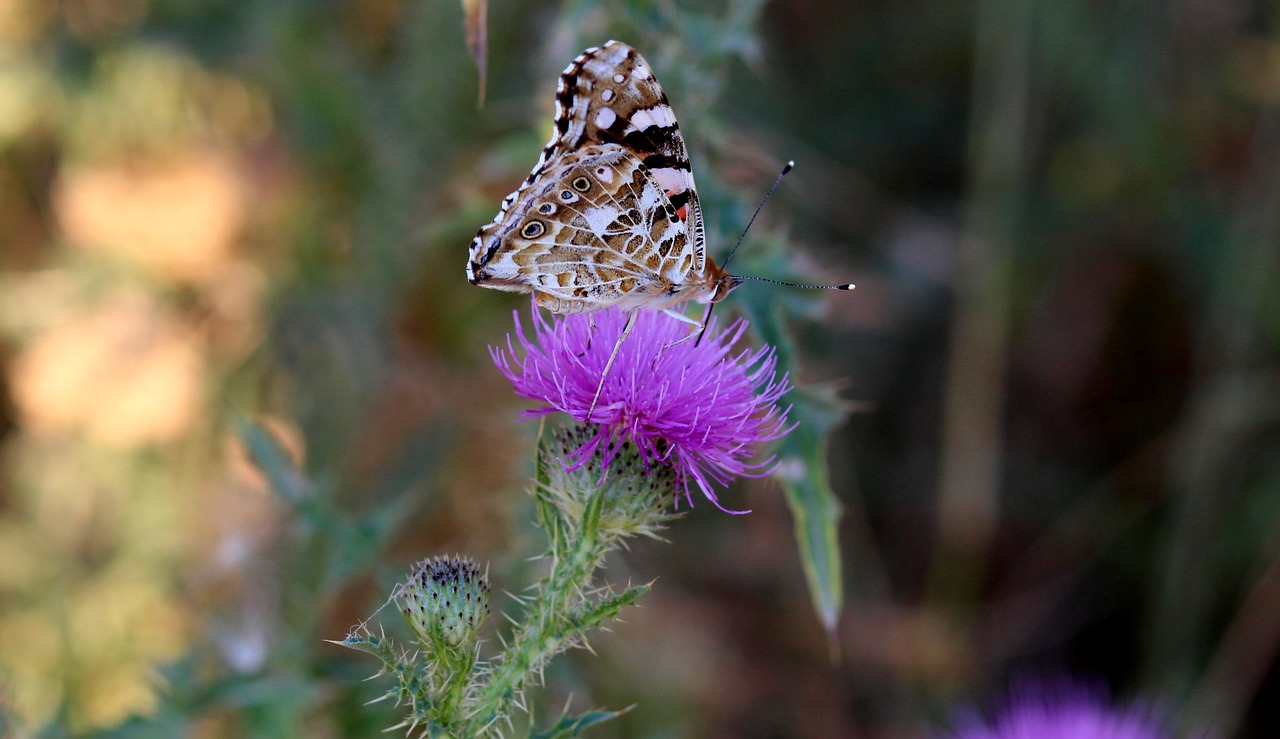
[1062, 710]
[692, 407]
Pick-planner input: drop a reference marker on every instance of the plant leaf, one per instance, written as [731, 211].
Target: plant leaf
[271, 457]
[803, 470]
[607, 608]
[814, 507]
[569, 726]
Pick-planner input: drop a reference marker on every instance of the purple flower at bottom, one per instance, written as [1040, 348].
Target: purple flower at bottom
[693, 406]
[1061, 710]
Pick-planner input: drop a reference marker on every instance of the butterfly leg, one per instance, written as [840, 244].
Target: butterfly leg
[591, 333]
[691, 321]
[631, 321]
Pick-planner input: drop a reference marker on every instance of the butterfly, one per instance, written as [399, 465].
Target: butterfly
[609, 216]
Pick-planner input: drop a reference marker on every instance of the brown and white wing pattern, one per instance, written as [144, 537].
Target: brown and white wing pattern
[610, 95]
[596, 231]
[635, 239]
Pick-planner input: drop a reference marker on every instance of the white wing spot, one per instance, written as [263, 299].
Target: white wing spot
[606, 95]
[649, 199]
[619, 78]
[669, 179]
[643, 118]
[640, 72]
[599, 218]
[605, 118]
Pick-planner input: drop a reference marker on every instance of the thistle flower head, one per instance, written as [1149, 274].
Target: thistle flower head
[444, 601]
[1063, 710]
[695, 407]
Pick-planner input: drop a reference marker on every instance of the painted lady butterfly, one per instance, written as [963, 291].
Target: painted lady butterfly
[609, 215]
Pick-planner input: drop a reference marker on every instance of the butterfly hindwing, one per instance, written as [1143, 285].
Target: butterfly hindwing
[596, 230]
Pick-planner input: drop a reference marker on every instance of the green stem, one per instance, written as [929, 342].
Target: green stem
[548, 629]
[456, 673]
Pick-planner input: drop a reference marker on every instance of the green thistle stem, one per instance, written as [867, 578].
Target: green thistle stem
[551, 628]
[456, 672]
[586, 511]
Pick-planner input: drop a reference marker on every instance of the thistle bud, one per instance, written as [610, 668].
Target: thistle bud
[444, 601]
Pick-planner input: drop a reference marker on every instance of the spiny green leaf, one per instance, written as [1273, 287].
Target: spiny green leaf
[366, 643]
[803, 471]
[814, 507]
[609, 607]
[569, 726]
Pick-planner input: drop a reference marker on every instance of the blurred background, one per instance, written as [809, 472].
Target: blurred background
[225, 221]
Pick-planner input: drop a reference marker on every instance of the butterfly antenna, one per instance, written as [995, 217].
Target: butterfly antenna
[706, 319]
[843, 286]
[740, 278]
[785, 169]
[789, 166]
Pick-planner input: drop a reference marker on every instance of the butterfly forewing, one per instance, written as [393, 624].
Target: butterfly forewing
[609, 216]
[610, 95]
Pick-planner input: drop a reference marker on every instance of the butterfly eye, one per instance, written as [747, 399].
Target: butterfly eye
[533, 229]
[581, 184]
[546, 209]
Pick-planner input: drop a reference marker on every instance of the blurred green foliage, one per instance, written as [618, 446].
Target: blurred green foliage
[1062, 218]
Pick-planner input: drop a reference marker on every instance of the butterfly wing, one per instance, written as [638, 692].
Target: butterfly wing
[596, 230]
[607, 97]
